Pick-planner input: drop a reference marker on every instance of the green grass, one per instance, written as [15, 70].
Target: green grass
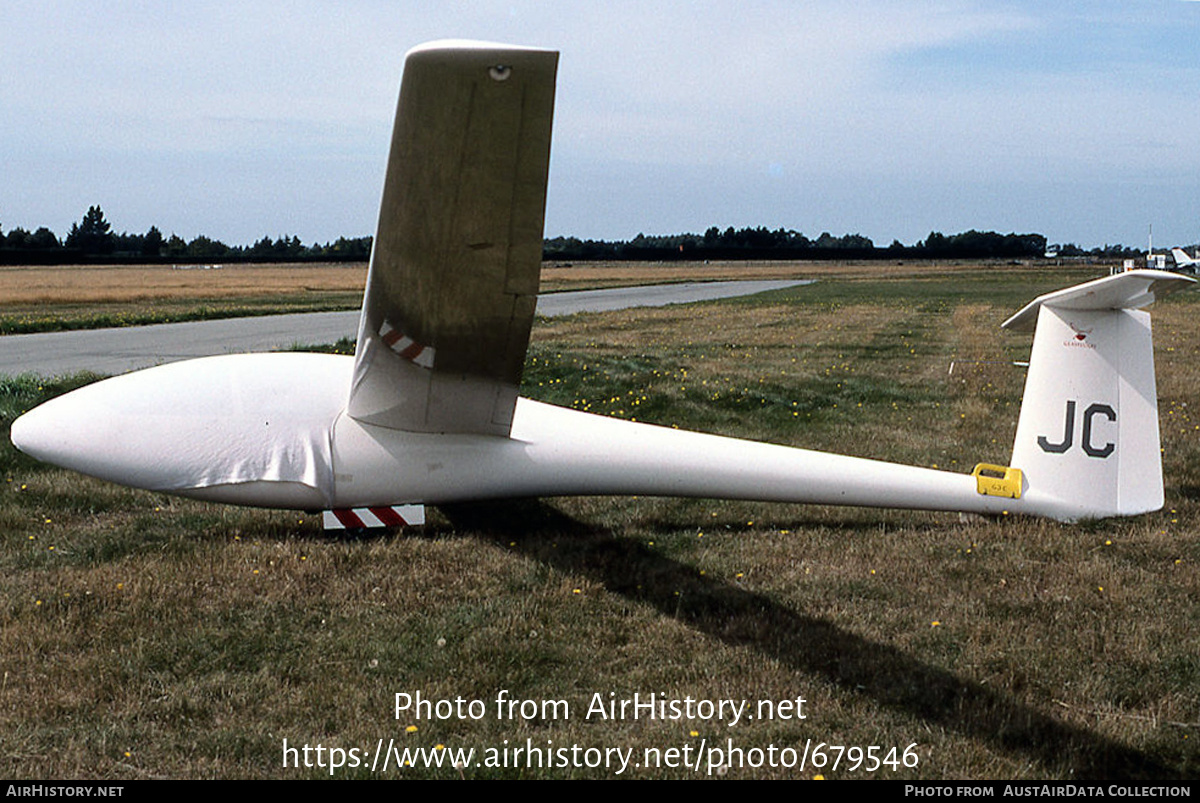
[145, 636]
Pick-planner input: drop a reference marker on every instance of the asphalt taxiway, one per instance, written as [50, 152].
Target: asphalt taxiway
[117, 350]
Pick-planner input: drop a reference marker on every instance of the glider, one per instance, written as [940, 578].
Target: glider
[427, 411]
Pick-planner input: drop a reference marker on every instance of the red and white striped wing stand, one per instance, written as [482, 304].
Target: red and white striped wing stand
[369, 518]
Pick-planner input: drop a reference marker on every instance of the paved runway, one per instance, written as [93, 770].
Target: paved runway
[115, 351]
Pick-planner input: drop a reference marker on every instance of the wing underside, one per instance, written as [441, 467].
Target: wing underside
[453, 281]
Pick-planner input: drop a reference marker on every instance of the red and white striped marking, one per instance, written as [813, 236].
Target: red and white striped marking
[366, 518]
[406, 347]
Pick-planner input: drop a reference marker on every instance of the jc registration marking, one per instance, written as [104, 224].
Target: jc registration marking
[1089, 416]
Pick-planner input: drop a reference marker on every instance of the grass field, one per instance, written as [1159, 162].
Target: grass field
[144, 636]
[42, 299]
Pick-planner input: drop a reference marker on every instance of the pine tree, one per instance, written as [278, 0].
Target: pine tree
[152, 244]
[92, 235]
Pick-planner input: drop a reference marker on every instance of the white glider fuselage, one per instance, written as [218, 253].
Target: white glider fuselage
[236, 429]
[554, 451]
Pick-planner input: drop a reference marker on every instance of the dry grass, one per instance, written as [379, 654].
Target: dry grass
[108, 284]
[35, 299]
[81, 284]
[572, 276]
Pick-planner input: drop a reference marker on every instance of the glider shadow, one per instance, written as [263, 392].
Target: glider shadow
[889, 676]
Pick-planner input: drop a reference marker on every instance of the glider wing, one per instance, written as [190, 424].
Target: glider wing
[453, 281]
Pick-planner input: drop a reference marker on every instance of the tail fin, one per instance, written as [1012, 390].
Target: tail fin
[1087, 439]
[1182, 260]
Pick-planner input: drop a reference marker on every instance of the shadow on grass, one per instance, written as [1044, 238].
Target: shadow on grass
[743, 618]
[1190, 492]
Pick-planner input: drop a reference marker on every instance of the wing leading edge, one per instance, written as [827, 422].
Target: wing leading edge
[453, 281]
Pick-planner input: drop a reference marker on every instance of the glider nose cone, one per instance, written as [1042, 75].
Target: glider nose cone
[61, 432]
[33, 433]
[70, 432]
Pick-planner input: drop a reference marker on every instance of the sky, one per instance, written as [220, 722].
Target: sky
[1077, 119]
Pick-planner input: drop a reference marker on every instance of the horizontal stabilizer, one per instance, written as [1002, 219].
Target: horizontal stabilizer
[1132, 289]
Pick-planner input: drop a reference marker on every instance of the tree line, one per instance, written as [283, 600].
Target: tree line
[93, 240]
[763, 243]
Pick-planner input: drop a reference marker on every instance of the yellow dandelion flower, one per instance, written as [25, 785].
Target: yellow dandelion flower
[411, 729]
[935, 623]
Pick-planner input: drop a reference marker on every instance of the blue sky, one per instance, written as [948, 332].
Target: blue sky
[1079, 120]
